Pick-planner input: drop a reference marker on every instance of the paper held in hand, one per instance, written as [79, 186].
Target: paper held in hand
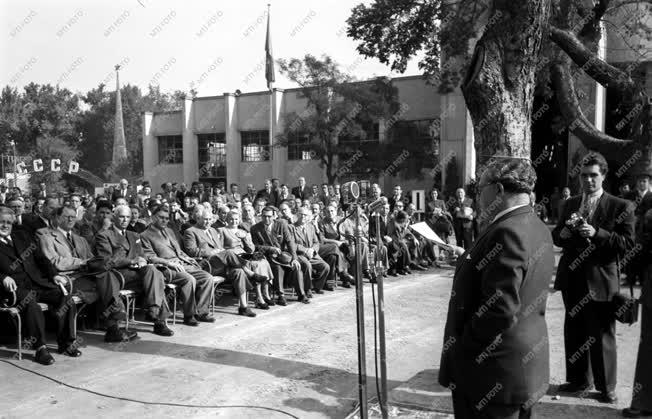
[423, 229]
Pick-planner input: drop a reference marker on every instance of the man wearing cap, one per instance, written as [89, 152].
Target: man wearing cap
[495, 353]
[275, 240]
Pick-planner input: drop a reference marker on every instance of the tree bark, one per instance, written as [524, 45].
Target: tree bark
[499, 87]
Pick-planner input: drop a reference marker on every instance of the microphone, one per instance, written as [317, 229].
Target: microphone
[376, 205]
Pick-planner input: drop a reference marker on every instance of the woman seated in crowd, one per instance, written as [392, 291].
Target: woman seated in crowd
[335, 242]
[239, 241]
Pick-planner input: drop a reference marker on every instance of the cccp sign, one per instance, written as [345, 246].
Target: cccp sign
[55, 166]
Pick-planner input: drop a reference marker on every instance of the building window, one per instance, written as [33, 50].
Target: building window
[299, 149]
[255, 146]
[425, 131]
[170, 149]
[212, 155]
[372, 131]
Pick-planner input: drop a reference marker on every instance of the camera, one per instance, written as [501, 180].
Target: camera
[575, 221]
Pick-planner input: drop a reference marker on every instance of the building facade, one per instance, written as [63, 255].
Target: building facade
[226, 138]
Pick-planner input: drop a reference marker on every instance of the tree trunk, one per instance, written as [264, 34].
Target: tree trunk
[499, 86]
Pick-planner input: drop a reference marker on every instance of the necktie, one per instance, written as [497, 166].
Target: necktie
[7, 240]
[72, 243]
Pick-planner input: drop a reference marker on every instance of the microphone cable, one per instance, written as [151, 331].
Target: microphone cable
[148, 403]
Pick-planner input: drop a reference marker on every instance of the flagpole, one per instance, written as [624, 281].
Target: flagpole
[270, 86]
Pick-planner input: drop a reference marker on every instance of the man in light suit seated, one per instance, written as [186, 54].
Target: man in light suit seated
[70, 254]
[204, 241]
[161, 246]
[121, 249]
[315, 269]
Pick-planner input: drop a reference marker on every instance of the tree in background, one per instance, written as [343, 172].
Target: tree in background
[339, 125]
[522, 47]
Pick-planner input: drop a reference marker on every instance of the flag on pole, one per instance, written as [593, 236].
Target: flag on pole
[269, 56]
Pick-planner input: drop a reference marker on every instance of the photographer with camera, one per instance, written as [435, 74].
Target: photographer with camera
[595, 230]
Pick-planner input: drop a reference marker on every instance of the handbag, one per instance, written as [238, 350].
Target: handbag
[625, 307]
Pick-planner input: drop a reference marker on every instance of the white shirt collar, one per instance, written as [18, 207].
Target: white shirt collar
[595, 197]
[505, 211]
[65, 233]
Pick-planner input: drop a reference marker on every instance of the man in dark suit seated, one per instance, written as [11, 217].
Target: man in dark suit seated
[301, 191]
[315, 269]
[275, 240]
[196, 285]
[398, 260]
[27, 274]
[70, 254]
[588, 277]
[122, 251]
[102, 220]
[495, 353]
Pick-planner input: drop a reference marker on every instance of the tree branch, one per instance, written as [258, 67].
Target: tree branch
[577, 122]
[591, 29]
[605, 74]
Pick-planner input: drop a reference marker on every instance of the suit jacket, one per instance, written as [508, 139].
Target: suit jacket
[198, 244]
[398, 234]
[281, 237]
[457, 212]
[32, 223]
[383, 227]
[25, 263]
[218, 224]
[306, 238]
[496, 330]
[596, 260]
[119, 249]
[302, 194]
[118, 194]
[233, 198]
[58, 251]
[159, 249]
[267, 196]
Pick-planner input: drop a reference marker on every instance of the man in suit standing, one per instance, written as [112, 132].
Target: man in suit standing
[463, 212]
[495, 353]
[42, 191]
[588, 277]
[267, 194]
[122, 250]
[234, 195]
[122, 191]
[161, 246]
[315, 269]
[70, 254]
[27, 274]
[301, 191]
[276, 241]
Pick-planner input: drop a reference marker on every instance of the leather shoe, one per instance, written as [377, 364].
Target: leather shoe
[417, 267]
[269, 302]
[574, 388]
[303, 299]
[262, 306]
[206, 318]
[346, 284]
[246, 311]
[608, 397]
[113, 334]
[392, 272]
[70, 350]
[403, 272]
[190, 321]
[318, 291]
[328, 288]
[346, 277]
[281, 301]
[44, 357]
[162, 329]
[309, 294]
[630, 412]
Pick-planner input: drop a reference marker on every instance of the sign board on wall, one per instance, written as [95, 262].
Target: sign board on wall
[419, 199]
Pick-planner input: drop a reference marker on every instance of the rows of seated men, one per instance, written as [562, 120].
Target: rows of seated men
[256, 247]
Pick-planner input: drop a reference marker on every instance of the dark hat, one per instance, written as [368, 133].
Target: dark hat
[284, 259]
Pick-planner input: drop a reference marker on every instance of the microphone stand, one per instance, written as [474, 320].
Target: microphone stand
[379, 270]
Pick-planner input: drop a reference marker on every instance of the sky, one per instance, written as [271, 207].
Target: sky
[212, 46]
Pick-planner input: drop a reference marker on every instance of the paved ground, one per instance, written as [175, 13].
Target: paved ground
[298, 359]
